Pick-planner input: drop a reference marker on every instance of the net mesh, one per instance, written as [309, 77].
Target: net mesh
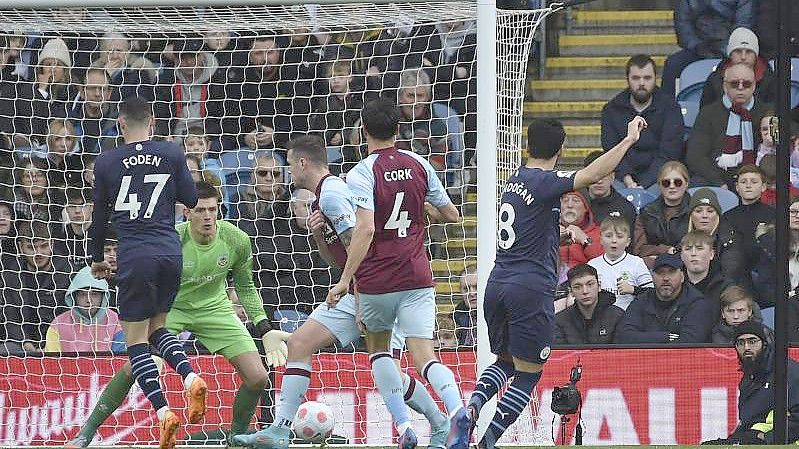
[232, 85]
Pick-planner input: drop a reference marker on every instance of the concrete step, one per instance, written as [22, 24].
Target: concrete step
[447, 288]
[590, 67]
[451, 267]
[576, 90]
[617, 44]
[638, 22]
[583, 136]
[561, 110]
[625, 5]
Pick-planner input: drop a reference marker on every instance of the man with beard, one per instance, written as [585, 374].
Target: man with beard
[661, 141]
[577, 220]
[673, 312]
[756, 389]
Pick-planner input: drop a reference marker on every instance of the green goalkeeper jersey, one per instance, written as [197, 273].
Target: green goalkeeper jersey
[206, 268]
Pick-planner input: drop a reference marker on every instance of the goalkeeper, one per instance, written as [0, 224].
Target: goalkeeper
[212, 250]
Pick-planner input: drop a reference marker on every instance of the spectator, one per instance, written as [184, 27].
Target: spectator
[764, 272]
[34, 295]
[262, 209]
[742, 48]
[697, 254]
[446, 332]
[767, 145]
[465, 314]
[49, 96]
[593, 317]
[34, 199]
[421, 130]
[193, 93]
[290, 273]
[129, 75]
[604, 200]
[87, 174]
[335, 117]
[577, 220]
[620, 273]
[8, 231]
[10, 85]
[723, 137]
[737, 306]
[89, 325]
[230, 51]
[662, 223]
[673, 312]
[63, 154]
[751, 213]
[662, 140]
[703, 28]
[95, 114]
[79, 217]
[705, 215]
[197, 143]
[769, 166]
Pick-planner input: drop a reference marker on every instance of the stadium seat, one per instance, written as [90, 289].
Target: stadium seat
[693, 77]
[689, 109]
[727, 199]
[638, 197]
[794, 82]
[289, 320]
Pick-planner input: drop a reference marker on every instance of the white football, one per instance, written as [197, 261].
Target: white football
[314, 422]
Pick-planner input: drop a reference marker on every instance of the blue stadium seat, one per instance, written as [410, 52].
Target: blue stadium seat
[289, 320]
[727, 199]
[638, 197]
[693, 77]
[794, 82]
[689, 109]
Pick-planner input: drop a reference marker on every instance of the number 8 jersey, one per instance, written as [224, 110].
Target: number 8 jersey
[395, 185]
[139, 184]
[528, 234]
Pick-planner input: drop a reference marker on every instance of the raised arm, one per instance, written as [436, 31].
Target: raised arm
[606, 163]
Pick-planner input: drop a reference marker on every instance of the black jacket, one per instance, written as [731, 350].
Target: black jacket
[690, 316]
[465, 324]
[756, 396]
[764, 273]
[724, 333]
[730, 256]
[744, 220]
[711, 287]
[658, 230]
[662, 141]
[613, 203]
[572, 328]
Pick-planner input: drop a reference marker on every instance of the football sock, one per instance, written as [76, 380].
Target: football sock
[243, 408]
[110, 399]
[493, 378]
[443, 382]
[172, 351]
[417, 398]
[512, 403]
[292, 392]
[389, 382]
[145, 372]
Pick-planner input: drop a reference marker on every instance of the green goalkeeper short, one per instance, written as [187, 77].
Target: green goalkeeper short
[220, 331]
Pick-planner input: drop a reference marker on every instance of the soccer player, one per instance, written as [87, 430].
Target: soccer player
[388, 259]
[332, 223]
[139, 184]
[519, 297]
[212, 250]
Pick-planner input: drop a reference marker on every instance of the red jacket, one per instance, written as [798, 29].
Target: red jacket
[575, 254]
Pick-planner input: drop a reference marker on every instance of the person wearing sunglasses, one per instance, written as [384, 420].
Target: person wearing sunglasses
[262, 208]
[724, 138]
[662, 223]
[742, 48]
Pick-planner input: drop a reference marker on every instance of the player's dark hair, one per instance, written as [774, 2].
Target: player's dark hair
[640, 61]
[110, 236]
[380, 118]
[33, 230]
[581, 270]
[312, 148]
[545, 138]
[136, 111]
[206, 190]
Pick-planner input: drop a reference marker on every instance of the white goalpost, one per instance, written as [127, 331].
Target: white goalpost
[232, 81]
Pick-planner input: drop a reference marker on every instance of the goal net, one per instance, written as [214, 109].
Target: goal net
[231, 85]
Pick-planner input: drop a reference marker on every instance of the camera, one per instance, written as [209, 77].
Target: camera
[566, 400]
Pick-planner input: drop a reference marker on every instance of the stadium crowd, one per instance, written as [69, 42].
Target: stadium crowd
[676, 246]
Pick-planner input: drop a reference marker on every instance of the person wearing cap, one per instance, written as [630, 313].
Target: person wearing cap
[705, 214]
[47, 97]
[742, 48]
[756, 389]
[723, 137]
[673, 312]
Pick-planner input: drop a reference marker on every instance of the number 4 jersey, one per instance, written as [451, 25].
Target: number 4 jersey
[528, 234]
[139, 184]
[395, 185]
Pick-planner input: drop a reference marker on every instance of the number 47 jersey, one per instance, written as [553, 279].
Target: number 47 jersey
[527, 233]
[395, 185]
[139, 184]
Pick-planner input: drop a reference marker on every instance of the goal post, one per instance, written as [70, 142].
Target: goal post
[457, 68]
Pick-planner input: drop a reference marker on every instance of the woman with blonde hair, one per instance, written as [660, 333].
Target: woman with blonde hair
[662, 223]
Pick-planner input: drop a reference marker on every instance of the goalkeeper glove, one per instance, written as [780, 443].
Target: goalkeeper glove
[275, 347]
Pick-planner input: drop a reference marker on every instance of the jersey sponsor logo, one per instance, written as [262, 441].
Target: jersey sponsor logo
[545, 353]
[222, 261]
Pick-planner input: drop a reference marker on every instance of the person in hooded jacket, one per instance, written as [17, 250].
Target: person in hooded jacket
[89, 325]
[577, 220]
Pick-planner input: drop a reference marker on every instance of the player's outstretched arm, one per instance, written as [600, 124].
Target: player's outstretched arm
[356, 252]
[444, 214]
[608, 162]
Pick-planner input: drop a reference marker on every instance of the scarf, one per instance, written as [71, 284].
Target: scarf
[177, 95]
[738, 138]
